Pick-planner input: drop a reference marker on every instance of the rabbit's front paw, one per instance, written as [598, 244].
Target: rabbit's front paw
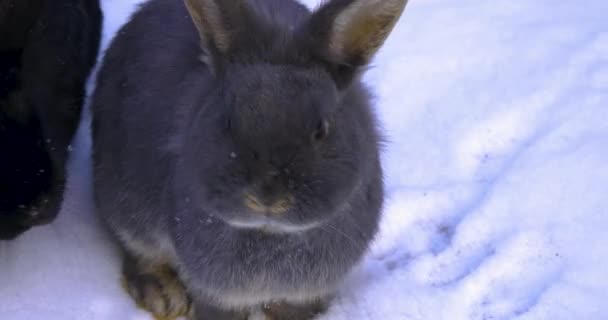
[157, 289]
[287, 311]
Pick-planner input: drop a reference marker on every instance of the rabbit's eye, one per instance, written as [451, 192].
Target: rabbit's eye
[228, 123]
[321, 131]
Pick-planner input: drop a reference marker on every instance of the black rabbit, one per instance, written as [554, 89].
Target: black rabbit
[236, 153]
[47, 50]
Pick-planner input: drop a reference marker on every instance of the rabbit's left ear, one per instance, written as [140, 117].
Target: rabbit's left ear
[217, 23]
[352, 31]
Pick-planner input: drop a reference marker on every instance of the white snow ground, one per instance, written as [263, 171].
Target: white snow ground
[497, 166]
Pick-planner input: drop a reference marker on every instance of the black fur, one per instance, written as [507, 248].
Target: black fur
[180, 145]
[47, 49]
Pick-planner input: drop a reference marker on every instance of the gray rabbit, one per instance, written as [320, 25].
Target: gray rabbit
[236, 153]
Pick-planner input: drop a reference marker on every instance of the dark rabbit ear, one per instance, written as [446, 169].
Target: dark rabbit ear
[217, 22]
[352, 31]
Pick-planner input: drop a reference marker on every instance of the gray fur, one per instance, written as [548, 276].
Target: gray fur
[179, 141]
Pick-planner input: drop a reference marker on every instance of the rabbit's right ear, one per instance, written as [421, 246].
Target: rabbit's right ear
[350, 32]
[216, 22]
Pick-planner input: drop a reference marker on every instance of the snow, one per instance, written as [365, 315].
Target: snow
[496, 114]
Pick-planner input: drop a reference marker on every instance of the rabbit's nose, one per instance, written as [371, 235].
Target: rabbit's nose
[268, 195]
[272, 205]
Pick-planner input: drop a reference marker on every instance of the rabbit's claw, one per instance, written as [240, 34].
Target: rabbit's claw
[158, 290]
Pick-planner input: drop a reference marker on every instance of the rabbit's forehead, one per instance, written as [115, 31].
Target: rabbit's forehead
[270, 83]
[283, 96]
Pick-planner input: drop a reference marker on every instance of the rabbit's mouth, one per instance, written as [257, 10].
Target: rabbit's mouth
[271, 226]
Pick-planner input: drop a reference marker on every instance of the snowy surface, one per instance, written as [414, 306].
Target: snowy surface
[497, 166]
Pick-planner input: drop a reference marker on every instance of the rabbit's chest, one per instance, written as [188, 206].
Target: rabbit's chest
[260, 269]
